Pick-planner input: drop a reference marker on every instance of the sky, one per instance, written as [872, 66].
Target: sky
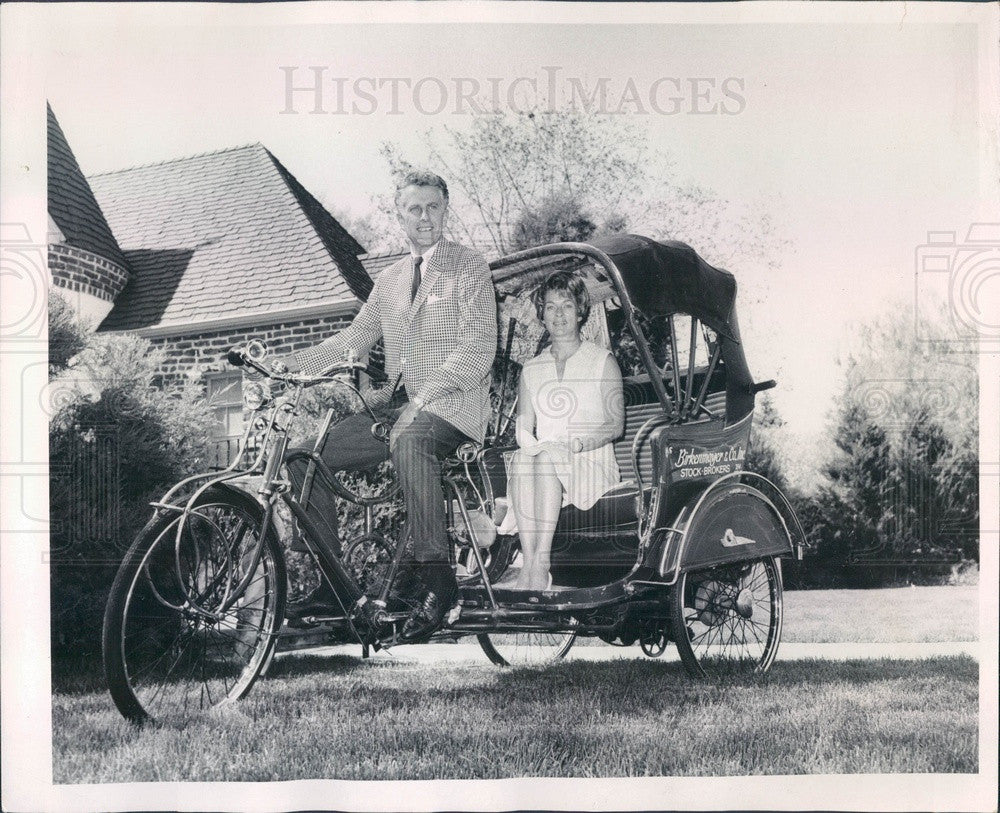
[857, 139]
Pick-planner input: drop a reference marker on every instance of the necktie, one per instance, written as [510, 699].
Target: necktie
[416, 277]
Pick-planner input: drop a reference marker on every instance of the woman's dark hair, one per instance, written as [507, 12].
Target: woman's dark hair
[568, 282]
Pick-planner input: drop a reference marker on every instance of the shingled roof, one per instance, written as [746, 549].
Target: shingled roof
[377, 262]
[71, 202]
[221, 235]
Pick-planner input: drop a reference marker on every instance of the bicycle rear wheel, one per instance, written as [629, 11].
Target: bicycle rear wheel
[178, 639]
[727, 619]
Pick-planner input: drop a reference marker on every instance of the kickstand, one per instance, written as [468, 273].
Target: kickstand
[365, 650]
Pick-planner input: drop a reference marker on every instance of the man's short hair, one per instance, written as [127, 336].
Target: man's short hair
[569, 282]
[417, 177]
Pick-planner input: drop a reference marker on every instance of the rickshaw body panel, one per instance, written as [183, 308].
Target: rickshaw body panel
[687, 458]
[734, 523]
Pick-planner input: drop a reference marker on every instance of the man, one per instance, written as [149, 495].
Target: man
[436, 312]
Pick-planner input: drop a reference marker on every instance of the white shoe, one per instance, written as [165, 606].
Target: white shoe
[508, 522]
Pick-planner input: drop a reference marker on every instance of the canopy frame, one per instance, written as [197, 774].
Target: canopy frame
[604, 261]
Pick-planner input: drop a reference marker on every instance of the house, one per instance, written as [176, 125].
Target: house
[202, 253]
[86, 263]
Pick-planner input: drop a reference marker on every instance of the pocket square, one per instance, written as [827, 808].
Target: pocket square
[432, 298]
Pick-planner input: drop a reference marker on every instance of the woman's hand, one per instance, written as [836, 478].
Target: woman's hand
[614, 409]
[587, 443]
[553, 447]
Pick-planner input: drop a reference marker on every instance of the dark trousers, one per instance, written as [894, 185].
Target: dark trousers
[417, 456]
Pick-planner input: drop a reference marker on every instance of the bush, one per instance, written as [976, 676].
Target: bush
[67, 336]
[901, 497]
[115, 443]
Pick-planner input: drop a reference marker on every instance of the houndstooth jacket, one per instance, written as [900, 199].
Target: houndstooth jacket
[443, 343]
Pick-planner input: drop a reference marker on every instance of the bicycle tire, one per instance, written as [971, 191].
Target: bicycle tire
[171, 646]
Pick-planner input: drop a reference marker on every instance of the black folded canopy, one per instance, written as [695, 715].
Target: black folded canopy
[660, 278]
[670, 277]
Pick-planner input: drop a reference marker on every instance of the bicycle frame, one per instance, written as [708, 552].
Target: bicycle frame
[271, 455]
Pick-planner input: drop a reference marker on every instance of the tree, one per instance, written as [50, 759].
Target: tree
[377, 229]
[557, 219]
[763, 456]
[902, 487]
[522, 176]
[505, 167]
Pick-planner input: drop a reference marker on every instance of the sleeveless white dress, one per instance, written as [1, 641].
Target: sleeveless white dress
[567, 408]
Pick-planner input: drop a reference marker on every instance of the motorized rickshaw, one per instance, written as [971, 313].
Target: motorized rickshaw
[685, 549]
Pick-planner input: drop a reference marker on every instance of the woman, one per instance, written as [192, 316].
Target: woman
[569, 410]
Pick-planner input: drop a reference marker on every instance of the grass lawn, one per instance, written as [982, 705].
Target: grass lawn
[338, 717]
[893, 614]
[341, 718]
[889, 615]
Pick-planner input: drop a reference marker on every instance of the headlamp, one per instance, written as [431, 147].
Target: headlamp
[256, 394]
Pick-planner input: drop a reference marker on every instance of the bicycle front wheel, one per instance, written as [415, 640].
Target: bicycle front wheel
[180, 635]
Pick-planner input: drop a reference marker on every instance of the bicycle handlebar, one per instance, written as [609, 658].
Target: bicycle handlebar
[240, 358]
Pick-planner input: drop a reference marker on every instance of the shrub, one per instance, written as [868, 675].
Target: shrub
[67, 336]
[901, 500]
[115, 443]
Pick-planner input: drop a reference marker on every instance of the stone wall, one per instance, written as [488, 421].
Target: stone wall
[190, 355]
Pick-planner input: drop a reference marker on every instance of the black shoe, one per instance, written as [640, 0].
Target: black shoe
[320, 602]
[429, 616]
[441, 595]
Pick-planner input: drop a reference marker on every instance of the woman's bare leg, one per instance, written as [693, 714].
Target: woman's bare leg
[548, 501]
[537, 498]
[523, 504]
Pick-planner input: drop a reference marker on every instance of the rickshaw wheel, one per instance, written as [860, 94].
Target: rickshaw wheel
[727, 619]
[526, 648]
[177, 637]
[654, 639]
